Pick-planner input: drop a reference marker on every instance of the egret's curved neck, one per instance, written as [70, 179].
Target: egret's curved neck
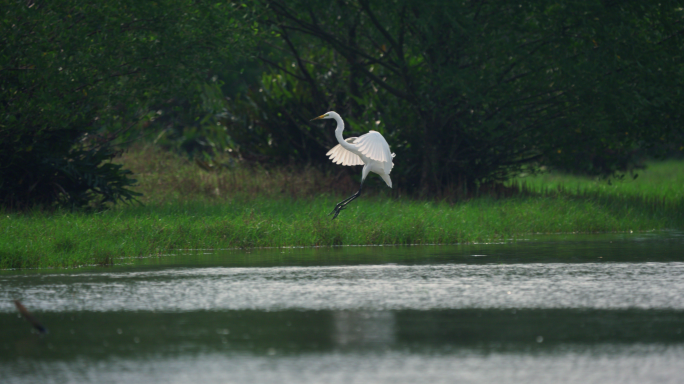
[338, 134]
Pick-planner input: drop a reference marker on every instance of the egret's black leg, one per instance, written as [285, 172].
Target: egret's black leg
[343, 204]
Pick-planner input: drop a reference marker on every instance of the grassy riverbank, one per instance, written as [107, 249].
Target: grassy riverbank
[662, 181]
[188, 208]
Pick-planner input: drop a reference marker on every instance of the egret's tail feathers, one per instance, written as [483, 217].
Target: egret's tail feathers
[387, 180]
[394, 155]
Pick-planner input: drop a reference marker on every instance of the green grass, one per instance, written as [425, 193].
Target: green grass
[663, 181]
[242, 217]
[67, 239]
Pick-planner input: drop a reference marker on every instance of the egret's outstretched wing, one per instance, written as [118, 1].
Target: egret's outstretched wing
[339, 155]
[375, 147]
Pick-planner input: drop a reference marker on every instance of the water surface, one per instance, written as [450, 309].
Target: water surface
[590, 309]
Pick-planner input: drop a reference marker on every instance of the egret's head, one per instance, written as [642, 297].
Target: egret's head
[327, 115]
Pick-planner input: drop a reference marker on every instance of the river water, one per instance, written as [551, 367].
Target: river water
[573, 308]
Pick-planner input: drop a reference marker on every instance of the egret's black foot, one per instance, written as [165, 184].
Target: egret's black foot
[343, 204]
[338, 208]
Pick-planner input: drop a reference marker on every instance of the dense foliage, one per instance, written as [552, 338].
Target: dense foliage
[75, 75]
[468, 93]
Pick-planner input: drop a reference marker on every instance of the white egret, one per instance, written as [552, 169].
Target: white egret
[370, 150]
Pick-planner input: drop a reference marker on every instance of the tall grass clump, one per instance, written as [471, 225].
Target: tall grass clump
[168, 177]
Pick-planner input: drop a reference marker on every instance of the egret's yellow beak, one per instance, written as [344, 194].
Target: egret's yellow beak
[319, 117]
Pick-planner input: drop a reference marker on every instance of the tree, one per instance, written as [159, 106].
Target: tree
[470, 92]
[75, 74]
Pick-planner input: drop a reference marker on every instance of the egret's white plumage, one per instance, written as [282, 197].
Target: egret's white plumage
[341, 156]
[370, 150]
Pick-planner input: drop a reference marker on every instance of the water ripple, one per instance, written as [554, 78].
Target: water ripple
[377, 287]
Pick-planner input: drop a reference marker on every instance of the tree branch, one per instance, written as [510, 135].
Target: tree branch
[271, 63]
[319, 95]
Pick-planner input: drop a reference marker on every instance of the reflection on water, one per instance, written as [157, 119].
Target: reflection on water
[567, 315]
[471, 345]
[98, 335]
[363, 328]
